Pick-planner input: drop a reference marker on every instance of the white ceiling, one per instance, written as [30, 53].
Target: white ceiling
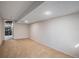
[14, 10]
[56, 9]
[33, 11]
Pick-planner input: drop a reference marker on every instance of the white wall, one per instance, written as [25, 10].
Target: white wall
[21, 31]
[59, 33]
[1, 31]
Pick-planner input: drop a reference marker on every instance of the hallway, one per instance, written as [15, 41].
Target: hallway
[27, 48]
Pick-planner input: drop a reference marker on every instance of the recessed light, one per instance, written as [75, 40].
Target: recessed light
[26, 21]
[77, 45]
[48, 13]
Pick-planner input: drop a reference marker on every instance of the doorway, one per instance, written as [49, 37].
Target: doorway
[8, 30]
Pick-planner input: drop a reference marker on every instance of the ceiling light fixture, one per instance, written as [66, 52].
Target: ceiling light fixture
[77, 45]
[48, 13]
[26, 21]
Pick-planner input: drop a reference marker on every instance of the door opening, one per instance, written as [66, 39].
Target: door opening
[8, 30]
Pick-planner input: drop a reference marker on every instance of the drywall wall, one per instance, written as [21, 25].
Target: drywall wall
[60, 33]
[1, 31]
[21, 31]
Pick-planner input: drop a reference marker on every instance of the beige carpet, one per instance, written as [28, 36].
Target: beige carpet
[27, 48]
